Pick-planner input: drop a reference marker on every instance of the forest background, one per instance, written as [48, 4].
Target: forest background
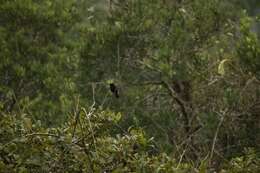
[129, 86]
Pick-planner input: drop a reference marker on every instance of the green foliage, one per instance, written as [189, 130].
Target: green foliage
[249, 162]
[187, 75]
[186, 51]
[27, 147]
[249, 49]
[36, 60]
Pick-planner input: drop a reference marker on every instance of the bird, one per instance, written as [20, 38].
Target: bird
[114, 89]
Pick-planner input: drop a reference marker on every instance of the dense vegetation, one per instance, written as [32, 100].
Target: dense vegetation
[129, 86]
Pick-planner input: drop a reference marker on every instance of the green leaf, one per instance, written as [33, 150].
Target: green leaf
[27, 123]
[221, 66]
[203, 167]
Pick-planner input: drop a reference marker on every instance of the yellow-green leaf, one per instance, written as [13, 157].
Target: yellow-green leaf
[27, 123]
[203, 167]
[221, 66]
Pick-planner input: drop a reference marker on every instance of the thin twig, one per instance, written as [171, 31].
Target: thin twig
[42, 134]
[93, 94]
[215, 137]
[88, 114]
[76, 115]
[181, 158]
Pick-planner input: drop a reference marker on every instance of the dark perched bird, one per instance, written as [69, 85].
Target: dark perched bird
[114, 90]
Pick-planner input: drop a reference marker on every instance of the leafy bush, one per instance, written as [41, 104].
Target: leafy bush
[249, 162]
[83, 147]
